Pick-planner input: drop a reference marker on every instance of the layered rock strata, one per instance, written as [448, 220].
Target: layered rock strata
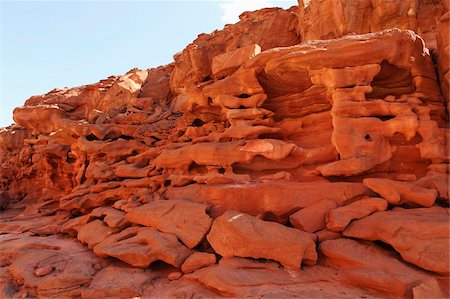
[299, 152]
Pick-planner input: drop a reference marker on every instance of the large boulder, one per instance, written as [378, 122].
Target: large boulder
[421, 236]
[239, 234]
[187, 220]
[141, 246]
[366, 265]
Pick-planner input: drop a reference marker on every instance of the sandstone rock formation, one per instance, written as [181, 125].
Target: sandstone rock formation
[238, 234]
[297, 153]
[184, 219]
[427, 250]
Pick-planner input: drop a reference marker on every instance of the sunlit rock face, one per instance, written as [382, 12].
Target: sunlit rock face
[299, 152]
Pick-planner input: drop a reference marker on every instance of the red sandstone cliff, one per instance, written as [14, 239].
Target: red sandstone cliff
[297, 153]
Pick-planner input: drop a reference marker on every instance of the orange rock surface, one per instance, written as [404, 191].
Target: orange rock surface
[239, 234]
[300, 152]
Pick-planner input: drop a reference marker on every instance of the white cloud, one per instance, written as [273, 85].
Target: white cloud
[233, 8]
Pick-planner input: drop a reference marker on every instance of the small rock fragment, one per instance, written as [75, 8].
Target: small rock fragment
[198, 260]
[338, 219]
[312, 218]
[43, 271]
[396, 192]
[174, 275]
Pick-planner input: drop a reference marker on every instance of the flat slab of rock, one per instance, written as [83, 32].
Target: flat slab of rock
[94, 232]
[141, 246]
[72, 226]
[197, 261]
[244, 278]
[50, 266]
[397, 193]
[325, 234]
[241, 235]
[365, 265]
[187, 220]
[312, 218]
[225, 64]
[421, 236]
[112, 217]
[233, 273]
[276, 198]
[429, 289]
[118, 281]
[338, 219]
[438, 181]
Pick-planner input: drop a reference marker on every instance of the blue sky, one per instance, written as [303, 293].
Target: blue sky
[53, 44]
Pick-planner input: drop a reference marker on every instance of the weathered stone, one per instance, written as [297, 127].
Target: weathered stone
[47, 266]
[269, 28]
[141, 246]
[338, 219]
[174, 275]
[428, 289]
[437, 181]
[328, 20]
[197, 261]
[273, 198]
[94, 232]
[326, 234]
[238, 277]
[225, 64]
[112, 217]
[312, 218]
[421, 236]
[287, 115]
[443, 52]
[398, 193]
[238, 234]
[42, 271]
[117, 280]
[223, 154]
[187, 220]
[368, 266]
[240, 272]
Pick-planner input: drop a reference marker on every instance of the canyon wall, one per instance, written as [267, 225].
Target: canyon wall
[296, 153]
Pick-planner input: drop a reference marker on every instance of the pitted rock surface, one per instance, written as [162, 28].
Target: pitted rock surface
[297, 153]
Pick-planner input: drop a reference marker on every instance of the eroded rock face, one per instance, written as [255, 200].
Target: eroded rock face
[239, 234]
[312, 218]
[369, 266]
[338, 219]
[197, 261]
[118, 280]
[273, 158]
[333, 19]
[443, 54]
[421, 235]
[402, 192]
[238, 277]
[187, 220]
[141, 246]
[47, 266]
[269, 28]
[273, 199]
